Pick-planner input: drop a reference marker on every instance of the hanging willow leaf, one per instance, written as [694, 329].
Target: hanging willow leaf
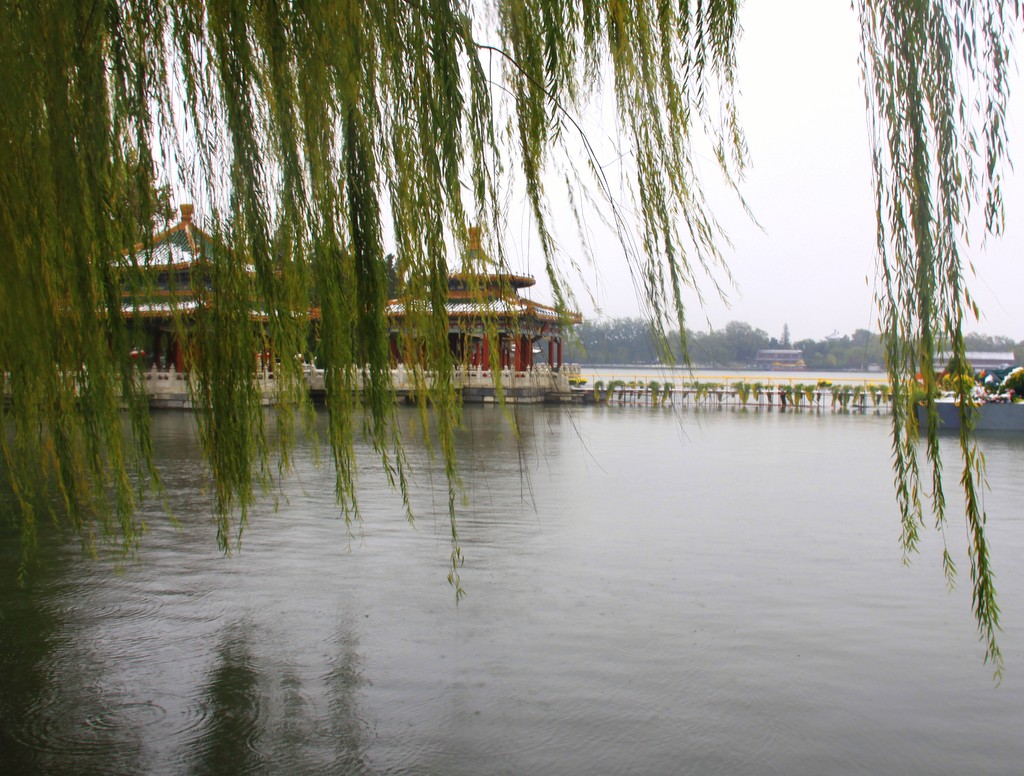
[936, 153]
[310, 133]
[301, 129]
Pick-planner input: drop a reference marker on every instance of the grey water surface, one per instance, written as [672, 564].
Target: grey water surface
[649, 591]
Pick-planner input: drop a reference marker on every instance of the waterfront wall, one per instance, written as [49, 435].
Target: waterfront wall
[169, 389]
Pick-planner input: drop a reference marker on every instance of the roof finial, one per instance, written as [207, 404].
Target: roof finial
[186, 213]
[475, 257]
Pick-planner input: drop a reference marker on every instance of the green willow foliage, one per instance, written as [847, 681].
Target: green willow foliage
[307, 130]
[936, 80]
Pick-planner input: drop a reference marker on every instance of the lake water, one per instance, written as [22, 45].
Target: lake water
[649, 591]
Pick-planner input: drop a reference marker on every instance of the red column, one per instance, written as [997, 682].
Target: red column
[157, 350]
[179, 356]
[559, 352]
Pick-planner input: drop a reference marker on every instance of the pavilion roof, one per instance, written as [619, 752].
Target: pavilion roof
[496, 307]
[179, 246]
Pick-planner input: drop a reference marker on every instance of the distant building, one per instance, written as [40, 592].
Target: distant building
[779, 359]
[979, 360]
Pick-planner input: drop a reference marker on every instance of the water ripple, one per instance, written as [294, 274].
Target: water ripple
[54, 726]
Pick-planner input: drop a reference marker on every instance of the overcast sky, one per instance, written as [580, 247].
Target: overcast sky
[813, 266]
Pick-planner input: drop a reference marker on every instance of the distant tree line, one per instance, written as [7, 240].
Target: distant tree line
[630, 341]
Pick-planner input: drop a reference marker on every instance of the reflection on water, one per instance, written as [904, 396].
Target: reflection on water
[650, 591]
[232, 698]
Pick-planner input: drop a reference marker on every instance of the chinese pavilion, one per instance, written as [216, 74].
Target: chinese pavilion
[487, 319]
[163, 282]
[487, 313]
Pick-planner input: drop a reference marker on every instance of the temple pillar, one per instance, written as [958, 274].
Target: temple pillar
[179, 356]
[522, 353]
[157, 350]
